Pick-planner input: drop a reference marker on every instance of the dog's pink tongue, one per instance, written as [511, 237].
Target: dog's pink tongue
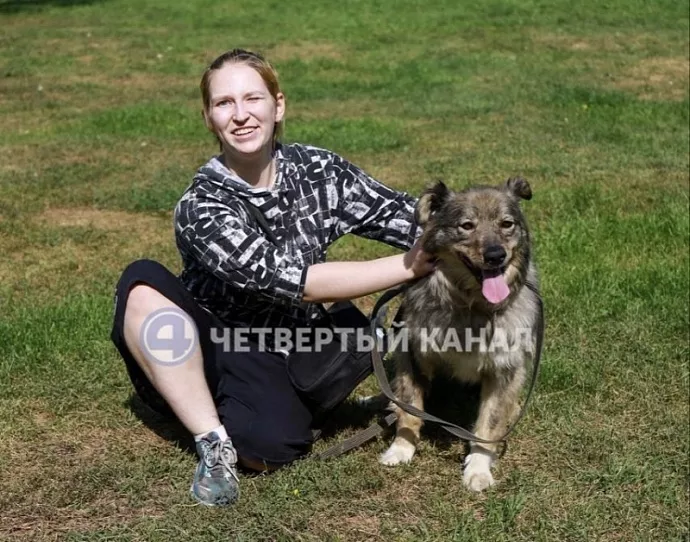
[495, 289]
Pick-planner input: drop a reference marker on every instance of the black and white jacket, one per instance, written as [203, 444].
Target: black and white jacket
[234, 271]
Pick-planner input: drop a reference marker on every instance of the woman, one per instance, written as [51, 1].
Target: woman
[236, 273]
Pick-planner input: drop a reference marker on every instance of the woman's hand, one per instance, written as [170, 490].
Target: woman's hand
[420, 263]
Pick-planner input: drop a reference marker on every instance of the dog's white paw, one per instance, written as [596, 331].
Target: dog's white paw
[399, 452]
[477, 474]
[478, 481]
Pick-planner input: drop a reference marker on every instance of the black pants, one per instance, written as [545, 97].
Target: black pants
[256, 402]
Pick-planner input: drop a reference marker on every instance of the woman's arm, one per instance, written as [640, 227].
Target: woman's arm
[335, 281]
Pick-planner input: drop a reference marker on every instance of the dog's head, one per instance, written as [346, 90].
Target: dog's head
[479, 235]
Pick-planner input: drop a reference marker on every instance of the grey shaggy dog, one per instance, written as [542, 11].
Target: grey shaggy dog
[474, 318]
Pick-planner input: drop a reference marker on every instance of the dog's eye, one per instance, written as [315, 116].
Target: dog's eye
[507, 224]
[467, 225]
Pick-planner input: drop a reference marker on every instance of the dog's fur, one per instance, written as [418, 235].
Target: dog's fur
[475, 234]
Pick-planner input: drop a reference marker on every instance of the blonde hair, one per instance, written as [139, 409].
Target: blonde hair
[253, 60]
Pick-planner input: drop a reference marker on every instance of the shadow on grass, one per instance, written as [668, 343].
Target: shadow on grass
[446, 399]
[16, 6]
[165, 426]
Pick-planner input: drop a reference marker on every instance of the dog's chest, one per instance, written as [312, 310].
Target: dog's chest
[464, 345]
[463, 351]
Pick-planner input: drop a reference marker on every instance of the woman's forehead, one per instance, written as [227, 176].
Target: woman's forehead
[236, 78]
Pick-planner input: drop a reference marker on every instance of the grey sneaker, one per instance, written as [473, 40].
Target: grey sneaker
[215, 480]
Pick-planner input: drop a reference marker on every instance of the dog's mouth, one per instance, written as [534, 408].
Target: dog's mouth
[493, 281]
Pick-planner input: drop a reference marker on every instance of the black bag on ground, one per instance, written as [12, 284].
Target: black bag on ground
[325, 378]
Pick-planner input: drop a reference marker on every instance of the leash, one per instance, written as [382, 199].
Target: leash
[379, 314]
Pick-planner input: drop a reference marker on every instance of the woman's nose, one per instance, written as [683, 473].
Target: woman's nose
[241, 113]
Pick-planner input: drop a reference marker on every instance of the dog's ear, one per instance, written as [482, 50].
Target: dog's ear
[430, 202]
[519, 188]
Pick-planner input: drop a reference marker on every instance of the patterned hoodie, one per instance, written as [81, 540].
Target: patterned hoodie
[234, 271]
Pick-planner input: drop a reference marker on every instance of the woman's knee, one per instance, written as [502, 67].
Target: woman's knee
[146, 286]
[141, 300]
[134, 291]
[142, 270]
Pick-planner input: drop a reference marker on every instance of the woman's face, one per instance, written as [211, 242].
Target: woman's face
[242, 112]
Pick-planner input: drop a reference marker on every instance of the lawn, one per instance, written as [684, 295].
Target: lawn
[100, 132]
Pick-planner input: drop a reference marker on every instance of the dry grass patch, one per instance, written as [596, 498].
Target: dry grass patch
[354, 527]
[108, 220]
[570, 42]
[132, 82]
[652, 78]
[39, 521]
[111, 239]
[597, 43]
[16, 157]
[22, 158]
[85, 46]
[78, 94]
[43, 494]
[657, 78]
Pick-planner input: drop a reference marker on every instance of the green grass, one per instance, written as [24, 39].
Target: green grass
[101, 133]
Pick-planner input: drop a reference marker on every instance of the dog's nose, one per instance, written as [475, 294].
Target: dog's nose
[494, 255]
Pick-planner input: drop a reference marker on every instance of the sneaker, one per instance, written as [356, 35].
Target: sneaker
[215, 480]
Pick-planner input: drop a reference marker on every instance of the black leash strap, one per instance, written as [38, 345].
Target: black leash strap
[373, 431]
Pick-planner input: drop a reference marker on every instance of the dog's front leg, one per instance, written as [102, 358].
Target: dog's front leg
[499, 399]
[407, 388]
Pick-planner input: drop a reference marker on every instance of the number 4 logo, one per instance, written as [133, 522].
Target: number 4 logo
[168, 336]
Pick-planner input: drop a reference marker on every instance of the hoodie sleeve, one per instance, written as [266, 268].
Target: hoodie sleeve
[370, 209]
[218, 237]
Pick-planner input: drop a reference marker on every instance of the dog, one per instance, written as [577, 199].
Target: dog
[474, 318]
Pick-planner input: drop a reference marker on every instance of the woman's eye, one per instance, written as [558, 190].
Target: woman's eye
[254, 98]
[467, 226]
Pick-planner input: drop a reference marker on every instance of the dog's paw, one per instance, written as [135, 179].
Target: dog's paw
[477, 474]
[399, 452]
[477, 481]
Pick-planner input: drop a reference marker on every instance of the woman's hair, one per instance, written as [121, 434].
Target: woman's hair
[253, 60]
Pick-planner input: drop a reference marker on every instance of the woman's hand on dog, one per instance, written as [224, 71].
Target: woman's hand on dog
[418, 262]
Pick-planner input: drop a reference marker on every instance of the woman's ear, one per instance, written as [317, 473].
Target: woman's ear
[280, 107]
[207, 120]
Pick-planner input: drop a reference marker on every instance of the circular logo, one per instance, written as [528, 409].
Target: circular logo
[168, 336]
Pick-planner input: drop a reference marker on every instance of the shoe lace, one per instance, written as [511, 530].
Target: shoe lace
[223, 452]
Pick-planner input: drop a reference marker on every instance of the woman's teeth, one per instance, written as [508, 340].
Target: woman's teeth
[243, 131]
